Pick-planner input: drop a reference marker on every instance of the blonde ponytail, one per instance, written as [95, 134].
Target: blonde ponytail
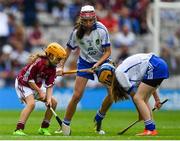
[33, 57]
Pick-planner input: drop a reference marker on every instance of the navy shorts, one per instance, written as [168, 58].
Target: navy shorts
[82, 64]
[154, 82]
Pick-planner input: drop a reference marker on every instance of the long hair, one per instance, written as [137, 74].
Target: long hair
[118, 92]
[33, 57]
[80, 29]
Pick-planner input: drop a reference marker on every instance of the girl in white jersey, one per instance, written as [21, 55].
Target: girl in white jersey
[139, 76]
[93, 40]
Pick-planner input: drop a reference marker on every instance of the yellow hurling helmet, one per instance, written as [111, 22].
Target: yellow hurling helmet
[105, 74]
[56, 50]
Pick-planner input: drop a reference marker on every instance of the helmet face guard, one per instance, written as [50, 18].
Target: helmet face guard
[87, 13]
[105, 74]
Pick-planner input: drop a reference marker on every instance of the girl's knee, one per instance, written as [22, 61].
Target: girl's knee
[77, 95]
[54, 102]
[136, 99]
[31, 105]
[76, 98]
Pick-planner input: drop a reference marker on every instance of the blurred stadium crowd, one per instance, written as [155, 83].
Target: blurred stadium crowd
[26, 26]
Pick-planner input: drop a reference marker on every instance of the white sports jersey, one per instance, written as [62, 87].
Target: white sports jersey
[132, 70]
[91, 46]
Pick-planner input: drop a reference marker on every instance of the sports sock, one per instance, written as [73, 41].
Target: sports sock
[45, 124]
[20, 125]
[99, 116]
[67, 122]
[149, 125]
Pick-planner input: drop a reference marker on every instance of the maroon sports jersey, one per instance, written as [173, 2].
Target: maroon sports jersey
[37, 72]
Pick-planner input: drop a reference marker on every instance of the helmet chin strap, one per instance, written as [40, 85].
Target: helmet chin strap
[85, 28]
[52, 60]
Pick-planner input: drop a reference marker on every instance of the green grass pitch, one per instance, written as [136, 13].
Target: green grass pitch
[167, 122]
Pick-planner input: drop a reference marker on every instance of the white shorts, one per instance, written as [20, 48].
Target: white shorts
[23, 91]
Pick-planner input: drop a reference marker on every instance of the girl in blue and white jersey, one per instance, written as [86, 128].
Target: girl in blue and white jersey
[93, 40]
[139, 76]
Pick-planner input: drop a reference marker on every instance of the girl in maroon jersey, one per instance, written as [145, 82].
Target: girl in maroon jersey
[40, 69]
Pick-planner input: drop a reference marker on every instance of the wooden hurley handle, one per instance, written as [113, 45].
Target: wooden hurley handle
[75, 71]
